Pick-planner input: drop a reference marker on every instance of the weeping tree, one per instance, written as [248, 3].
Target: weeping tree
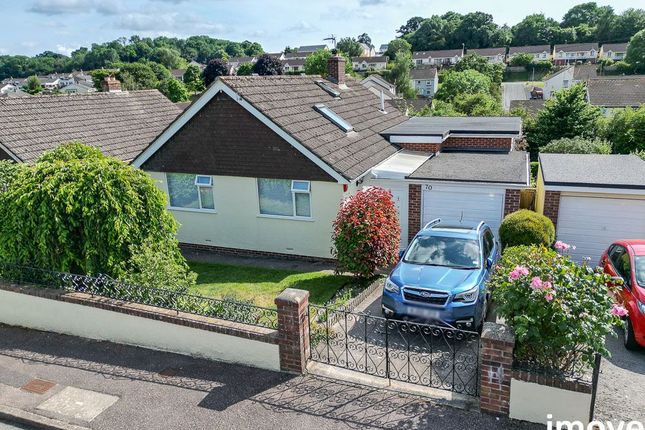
[76, 210]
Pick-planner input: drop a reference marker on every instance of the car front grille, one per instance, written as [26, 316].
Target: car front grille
[425, 296]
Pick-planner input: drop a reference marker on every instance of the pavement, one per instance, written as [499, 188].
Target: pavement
[513, 91]
[101, 385]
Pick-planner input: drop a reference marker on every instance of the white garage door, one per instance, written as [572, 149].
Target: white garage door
[475, 205]
[592, 224]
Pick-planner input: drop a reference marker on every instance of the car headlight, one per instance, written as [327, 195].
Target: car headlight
[467, 296]
[641, 306]
[391, 287]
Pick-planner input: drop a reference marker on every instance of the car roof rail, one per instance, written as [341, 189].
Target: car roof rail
[480, 225]
[432, 223]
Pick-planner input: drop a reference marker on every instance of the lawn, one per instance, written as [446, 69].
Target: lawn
[261, 285]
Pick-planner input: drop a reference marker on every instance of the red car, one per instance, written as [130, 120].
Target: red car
[626, 259]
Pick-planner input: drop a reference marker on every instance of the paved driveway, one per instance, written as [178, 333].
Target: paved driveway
[513, 91]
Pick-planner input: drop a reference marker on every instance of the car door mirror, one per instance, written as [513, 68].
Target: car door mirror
[489, 263]
[401, 254]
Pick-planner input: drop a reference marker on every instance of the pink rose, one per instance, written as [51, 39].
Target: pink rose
[618, 310]
[561, 246]
[518, 272]
[547, 285]
[536, 283]
[548, 297]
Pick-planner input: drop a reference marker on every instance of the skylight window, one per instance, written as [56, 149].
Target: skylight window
[329, 90]
[334, 117]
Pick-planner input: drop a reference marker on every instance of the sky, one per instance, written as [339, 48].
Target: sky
[34, 26]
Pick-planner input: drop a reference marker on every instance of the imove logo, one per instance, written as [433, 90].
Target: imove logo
[593, 425]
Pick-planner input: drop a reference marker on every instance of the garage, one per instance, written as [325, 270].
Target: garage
[592, 199]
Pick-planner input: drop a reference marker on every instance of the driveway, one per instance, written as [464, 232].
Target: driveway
[513, 91]
[621, 386]
[127, 387]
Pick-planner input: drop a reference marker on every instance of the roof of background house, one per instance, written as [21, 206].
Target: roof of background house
[120, 124]
[289, 101]
[442, 126]
[437, 54]
[423, 72]
[532, 106]
[576, 47]
[557, 72]
[378, 59]
[383, 47]
[615, 47]
[582, 72]
[508, 168]
[488, 51]
[593, 170]
[377, 79]
[178, 73]
[311, 48]
[292, 55]
[246, 59]
[529, 49]
[293, 62]
[617, 92]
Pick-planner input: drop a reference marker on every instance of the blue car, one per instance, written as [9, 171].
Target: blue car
[441, 276]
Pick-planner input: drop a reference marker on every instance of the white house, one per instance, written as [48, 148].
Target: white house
[424, 80]
[568, 76]
[369, 63]
[613, 51]
[234, 63]
[293, 65]
[368, 50]
[446, 57]
[539, 52]
[573, 52]
[493, 55]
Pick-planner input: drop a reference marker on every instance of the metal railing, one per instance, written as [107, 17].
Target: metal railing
[179, 301]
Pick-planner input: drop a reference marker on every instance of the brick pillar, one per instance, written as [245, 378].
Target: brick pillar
[293, 329]
[552, 206]
[511, 201]
[497, 342]
[414, 210]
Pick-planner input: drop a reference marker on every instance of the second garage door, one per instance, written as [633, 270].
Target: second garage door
[473, 204]
[593, 223]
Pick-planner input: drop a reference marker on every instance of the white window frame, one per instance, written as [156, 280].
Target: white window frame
[294, 191]
[199, 196]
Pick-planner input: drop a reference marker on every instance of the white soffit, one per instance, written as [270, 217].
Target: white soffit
[400, 165]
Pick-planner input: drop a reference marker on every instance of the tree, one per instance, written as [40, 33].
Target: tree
[32, 85]
[267, 65]
[395, 46]
[365, 39]
[8, 171]
[193, 79]
[626, 130]
[636, 52]
[476, 30]
[430, 35]
[316, 63]
[400, 75]
[366, 232]
[244, 69]
[410, 26]
[161, 72]
[169, 57]
[465, 82]
[566, 114]
[251, 49]
[214, 68]
[441, 108]
[76, 210]
[521, 59]
[577, 145]
[137, 76]
[627, 24]
[583, 13]
[533, 30]
[350, 46]
[175, 90]
[476, 62]
[479, 104]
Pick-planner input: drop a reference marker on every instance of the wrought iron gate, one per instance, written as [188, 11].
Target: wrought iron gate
[423, 354]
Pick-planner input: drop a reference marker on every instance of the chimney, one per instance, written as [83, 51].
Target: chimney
[111, 85]
[336, 69]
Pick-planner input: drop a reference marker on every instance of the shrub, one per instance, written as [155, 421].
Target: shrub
[560, 311]
[525, 227]
[521, 60]
[626, 130]
[543, 66]
[577, 145]
[366, 232]
[623, 68]
[8, 171]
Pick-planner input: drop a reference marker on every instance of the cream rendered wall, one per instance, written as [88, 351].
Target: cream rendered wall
[237, 222]
[86, 321]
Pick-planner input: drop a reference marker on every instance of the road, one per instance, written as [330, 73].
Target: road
[513, 91]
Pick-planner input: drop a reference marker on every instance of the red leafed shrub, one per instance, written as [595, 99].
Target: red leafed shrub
[366, 232]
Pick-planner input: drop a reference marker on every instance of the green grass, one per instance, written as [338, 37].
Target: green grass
[261, 285]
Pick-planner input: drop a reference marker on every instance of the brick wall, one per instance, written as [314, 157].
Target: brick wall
[414, 210]
[293, 329]
[552, 206]
[496, 355]
[422, 147]
[511, 201]
[482, 143]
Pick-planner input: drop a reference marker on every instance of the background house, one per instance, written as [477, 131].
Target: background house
[377, 85]
[567, 77]
[616, 92]
[369, 63]
[613, 51]
[493, 55]
[293, 65]
[573, 52]
[539, 52]
[446, 57]
[424, 80]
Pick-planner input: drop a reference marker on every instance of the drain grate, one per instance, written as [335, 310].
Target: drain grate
[38, 386]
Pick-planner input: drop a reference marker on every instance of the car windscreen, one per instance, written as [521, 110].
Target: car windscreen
[443, 251]
[639, 269]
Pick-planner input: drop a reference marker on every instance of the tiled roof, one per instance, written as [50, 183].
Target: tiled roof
[488, 52]
[120, 124]
[311, 48]
[532, 106]
[437, 54]
[533, 49]
[289, 102]
[380, 59]
[582, 72]
[422, 72]
[289, 55]
[617, 91]
[576, 47]
[615, 47]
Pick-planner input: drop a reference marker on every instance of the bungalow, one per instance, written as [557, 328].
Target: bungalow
[296, 55]
[567, 77]
[259, 164]
[616, 92]
[369, 63]
[424, 80]
[294, 65]
[613, 51]
[119, 123]
[446, 57]
[493, 55]
[574, 52]
[377, 85]
[235, 62]
[539, 52]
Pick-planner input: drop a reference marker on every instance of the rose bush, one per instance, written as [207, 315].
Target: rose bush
[561, 312]
[366, 232]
